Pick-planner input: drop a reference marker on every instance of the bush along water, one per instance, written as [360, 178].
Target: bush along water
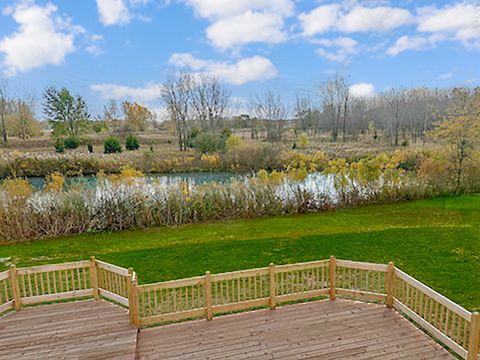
[308, 184]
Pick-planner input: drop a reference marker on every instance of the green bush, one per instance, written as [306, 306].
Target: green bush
[112, 145]
[132, 143]
[59, 146]
[71, 142]
[209, 142]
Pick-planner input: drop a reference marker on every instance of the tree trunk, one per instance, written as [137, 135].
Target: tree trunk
[4, 130]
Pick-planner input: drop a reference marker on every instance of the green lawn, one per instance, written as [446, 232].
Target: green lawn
[437, 241]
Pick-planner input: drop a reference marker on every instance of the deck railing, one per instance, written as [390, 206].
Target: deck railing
[214, 294]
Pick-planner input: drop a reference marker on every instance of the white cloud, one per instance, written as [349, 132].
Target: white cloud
[40, 39]
[150, 92]
[113, 12]
[416, 43]
[445, 76]
[459, 22]
[228, 8]
[343, 48]
[362, 90]
[234, 23]
[246, 28]
[356, 19]
[245, 70]
[382, 18]
[321, 19]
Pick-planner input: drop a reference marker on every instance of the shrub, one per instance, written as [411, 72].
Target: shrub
[17, 188]
[112, 145]
[71, 142]
[212, 161]
[209, 142]
[55, 182]
[132, 143]
[303, 140]
[253, 157]
[59, 146]
[90, 148]
[233, 141]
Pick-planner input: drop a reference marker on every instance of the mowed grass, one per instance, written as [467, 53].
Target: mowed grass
[436, 240]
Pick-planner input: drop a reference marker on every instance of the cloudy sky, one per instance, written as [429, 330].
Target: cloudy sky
[122, 48]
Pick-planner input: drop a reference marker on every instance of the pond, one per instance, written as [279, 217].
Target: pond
[316, 182]
[198, 178]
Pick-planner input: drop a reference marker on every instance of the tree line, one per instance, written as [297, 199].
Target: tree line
[203, 104]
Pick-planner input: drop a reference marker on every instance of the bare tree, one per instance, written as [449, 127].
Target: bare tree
[4, 108]
[210, 102]
[395, 99]
[110, 111]
[304, 112]
[177, 95]
[270, 108]
[334, 94]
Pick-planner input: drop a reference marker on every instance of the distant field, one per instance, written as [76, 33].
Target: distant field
[165, 143]
[437, 241]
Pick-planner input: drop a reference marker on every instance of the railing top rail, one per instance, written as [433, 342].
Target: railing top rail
[362, 265]
[302, 265]
[449, 304]
[240, 274]
[172, 284]
[4, 275]
[53, 267]
[113, 268]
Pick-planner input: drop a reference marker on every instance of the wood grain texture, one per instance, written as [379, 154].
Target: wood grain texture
[317, 330]
[85, 329]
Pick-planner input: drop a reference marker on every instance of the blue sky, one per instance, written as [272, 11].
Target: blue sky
[122, 48]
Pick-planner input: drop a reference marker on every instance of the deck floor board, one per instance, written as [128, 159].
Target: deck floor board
[315, 330]
[84, 329]
[341, 329]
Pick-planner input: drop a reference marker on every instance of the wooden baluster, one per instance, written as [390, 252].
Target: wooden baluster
[60, 280]
[332, 277]
[72, 277]
[85, 286]
[208, 296]
[42, 285]
[54, 280]
[29, 282]
[390, 285]
[79, 280]
[239, 291]
[273, 286]
[35, 281]
[249, 288]
[186, 299]
[162, 302]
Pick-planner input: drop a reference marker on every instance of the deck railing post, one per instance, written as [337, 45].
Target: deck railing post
[390, 284]
[94, 278]
[273, 287]
[474, 342]
[333, 265]
[208, 295]
[132, 298]
[17, 302]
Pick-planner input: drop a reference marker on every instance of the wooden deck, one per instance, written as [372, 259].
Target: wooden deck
[316, 330]
[76, 330]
